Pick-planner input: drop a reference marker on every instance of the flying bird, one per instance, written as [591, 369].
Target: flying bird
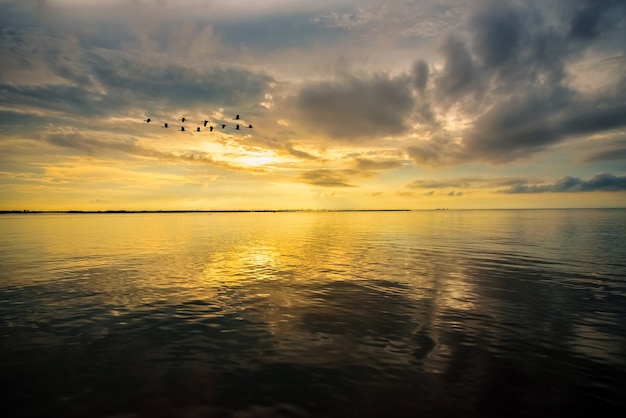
[205, 123]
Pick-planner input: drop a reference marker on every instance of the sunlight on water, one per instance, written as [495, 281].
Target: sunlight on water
[443, 313]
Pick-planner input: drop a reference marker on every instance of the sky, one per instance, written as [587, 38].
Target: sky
[401, 104]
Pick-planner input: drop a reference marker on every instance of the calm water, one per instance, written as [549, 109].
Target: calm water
[443, 313]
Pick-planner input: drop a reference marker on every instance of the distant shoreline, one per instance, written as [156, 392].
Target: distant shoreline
[199, 211]
[26, 212]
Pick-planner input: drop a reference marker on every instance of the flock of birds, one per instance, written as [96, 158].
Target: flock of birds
[205, 123]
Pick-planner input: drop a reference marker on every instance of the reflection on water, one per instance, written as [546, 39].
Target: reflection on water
[468, 313]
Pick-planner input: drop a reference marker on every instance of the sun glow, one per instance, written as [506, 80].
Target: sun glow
[256, 159]
[240, 156]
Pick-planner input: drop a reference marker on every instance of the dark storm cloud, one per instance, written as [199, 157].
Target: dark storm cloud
[517, 47]
[520, 72]
[352, 107]
[458, 73]
[496, 34]
[591, 17]
[420, 75]
[515, 127]
[601, 182]
[534, 121]
[595, 116]
[607, 155]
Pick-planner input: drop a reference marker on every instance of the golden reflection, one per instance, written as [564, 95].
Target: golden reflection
[243, 263]
[458, 290]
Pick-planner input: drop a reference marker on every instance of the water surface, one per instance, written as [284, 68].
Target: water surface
[443, 313]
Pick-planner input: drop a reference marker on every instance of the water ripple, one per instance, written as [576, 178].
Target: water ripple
[477, 313]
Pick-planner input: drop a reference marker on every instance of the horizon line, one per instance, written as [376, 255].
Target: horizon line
[131, 211]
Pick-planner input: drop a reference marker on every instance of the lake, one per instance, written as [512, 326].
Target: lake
[473, 313]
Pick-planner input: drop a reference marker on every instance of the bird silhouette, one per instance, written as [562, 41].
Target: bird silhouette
[205, 123]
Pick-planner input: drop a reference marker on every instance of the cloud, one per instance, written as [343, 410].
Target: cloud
[605, 113]
[367, 164]
[82, 73]
[517, 185]
[129, 149]
[420, 75]
[514, 128]
[435, 152]
[346, 20]
[600, 182]
[352, 107]
[528, 102]
[325, 178]
[466, 182]
[458, 73]
[496, 34]
[365, 85]
[439, 184]
[280, 144]
[615, 154]
[396, 19]
[298, 153]
[591, 18]
[124, 86]
[86, 145]
[535, 120]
